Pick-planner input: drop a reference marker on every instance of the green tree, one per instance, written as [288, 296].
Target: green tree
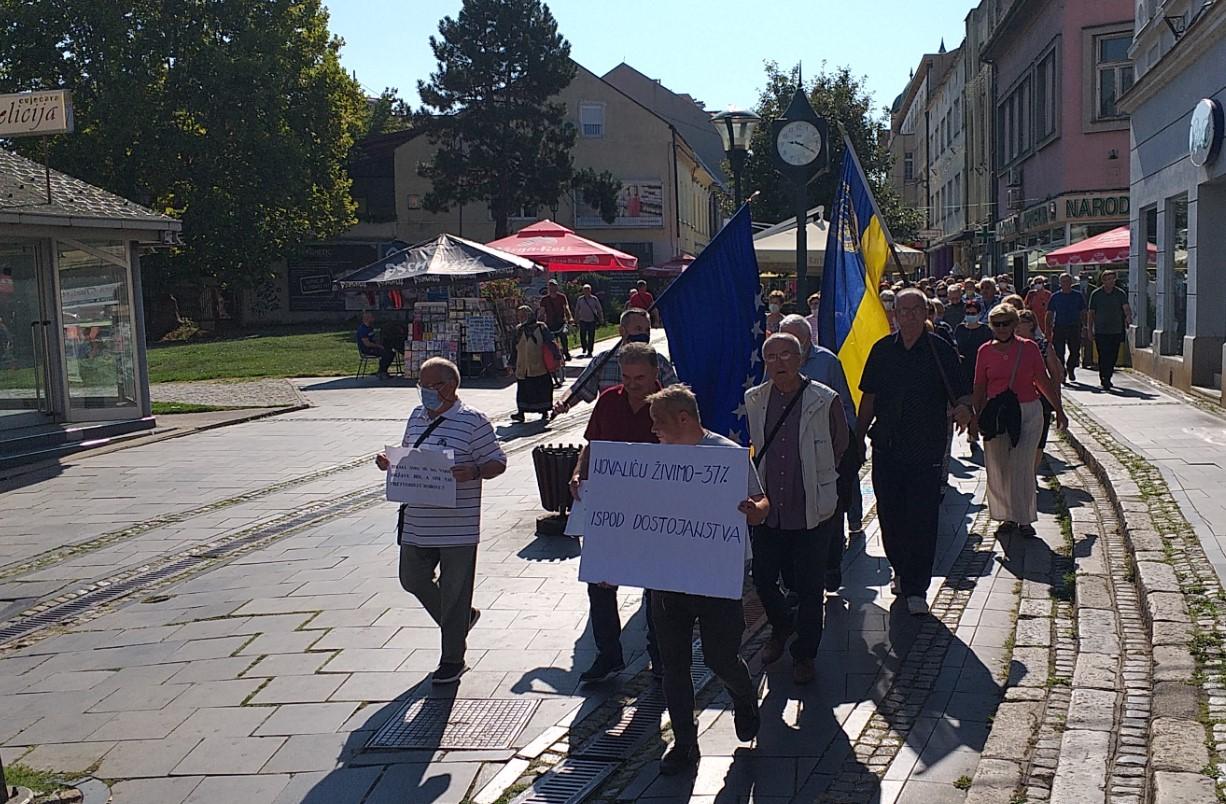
[599, 191]
[842, 99]
[236, 117]
[487, 107]
[387, 113]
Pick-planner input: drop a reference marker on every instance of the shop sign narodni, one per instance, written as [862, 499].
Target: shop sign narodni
[31, 114]
[1111, 206]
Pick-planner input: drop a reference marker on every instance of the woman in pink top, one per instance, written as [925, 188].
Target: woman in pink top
[1009, 362]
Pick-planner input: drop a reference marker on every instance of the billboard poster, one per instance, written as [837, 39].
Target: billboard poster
[310, 277]
[640, 204]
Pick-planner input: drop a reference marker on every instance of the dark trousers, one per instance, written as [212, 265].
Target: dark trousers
[1108, 353]
[804, 552]
[384, 354]
[447, 598]
[1067, 337]
[607, 624]
[560, 335]
[851, 505]
[721, 622]
[909, 510]
[587, 336]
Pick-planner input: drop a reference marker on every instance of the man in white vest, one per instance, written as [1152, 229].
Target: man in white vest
[799, 433]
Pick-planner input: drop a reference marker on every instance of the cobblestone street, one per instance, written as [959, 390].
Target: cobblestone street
[1082, 665]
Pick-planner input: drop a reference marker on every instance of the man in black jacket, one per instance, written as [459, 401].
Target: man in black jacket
[911, 382]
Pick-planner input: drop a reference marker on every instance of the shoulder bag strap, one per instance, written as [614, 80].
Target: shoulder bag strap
[1017, 361]
[430, 428]
[949, 391]
[757, 458]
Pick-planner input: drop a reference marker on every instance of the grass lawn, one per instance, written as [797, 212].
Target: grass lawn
[274, 353]
[605, 331]
[170, 408]
[37, 780]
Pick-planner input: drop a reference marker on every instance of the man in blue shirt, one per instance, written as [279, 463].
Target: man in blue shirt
[1066, 316]
[822, 365]
[368, 346]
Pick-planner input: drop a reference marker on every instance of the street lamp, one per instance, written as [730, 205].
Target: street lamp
[735, 131]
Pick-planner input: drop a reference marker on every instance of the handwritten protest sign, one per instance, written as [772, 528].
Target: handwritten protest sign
[421, 477]
[665, 517]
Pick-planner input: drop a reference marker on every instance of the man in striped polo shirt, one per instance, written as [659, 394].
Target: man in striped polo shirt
[445, 539]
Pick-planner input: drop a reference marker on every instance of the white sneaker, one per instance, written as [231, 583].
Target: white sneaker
[917, 605]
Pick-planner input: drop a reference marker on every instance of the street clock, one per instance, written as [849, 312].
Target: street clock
[800, 140]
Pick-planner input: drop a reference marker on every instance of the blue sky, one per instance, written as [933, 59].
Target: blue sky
[712, 49]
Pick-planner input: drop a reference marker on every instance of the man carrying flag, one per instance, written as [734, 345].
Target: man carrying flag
[906, 383]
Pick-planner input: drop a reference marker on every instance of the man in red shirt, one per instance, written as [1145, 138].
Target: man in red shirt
[1037, 301]
[621, 414]
[640, 298]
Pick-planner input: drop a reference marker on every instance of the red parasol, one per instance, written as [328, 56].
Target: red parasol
[1108, 247]
[560, 249]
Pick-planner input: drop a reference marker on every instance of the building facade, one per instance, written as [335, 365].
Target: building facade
[666, 205]
[978, 103]
[945, 116]
[1178, 193]
[1060, 135]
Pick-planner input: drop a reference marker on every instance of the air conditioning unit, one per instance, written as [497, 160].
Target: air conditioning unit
[1014, 178]
[1016, 198]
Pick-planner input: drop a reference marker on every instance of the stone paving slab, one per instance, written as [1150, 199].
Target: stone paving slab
[263, 393]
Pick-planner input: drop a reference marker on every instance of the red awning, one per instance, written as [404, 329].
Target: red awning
[1108, 247]
[560, 249]
[672, 268]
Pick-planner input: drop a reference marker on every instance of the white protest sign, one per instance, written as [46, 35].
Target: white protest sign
[578, 513]
[420, 477]
[665, 517]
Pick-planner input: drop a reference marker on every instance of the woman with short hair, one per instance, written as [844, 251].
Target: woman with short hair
[1010, 376]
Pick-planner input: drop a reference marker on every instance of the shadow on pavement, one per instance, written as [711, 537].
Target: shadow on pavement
[407, 775]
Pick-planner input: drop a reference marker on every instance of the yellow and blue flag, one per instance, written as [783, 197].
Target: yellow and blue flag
[851, 318]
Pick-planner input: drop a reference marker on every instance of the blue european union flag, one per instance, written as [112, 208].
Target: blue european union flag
[715, 321]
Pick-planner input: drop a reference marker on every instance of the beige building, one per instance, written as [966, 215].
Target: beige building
[946, 165]
[667, 203]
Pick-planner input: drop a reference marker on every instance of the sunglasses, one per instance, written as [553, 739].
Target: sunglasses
[1001, 324]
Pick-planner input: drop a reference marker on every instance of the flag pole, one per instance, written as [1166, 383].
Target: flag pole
[889, 238]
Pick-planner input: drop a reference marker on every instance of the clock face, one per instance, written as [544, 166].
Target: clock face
[799, 143]
[1205, 132]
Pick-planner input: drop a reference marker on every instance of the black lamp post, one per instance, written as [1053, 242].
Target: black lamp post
[735, 131]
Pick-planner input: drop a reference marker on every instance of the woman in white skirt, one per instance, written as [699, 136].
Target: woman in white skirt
[1005, 364]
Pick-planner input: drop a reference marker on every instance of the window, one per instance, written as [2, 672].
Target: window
[958, 121]
[908, 166]
[1014, 122]
[1149, 321]
[1177, 312]
[1113, 73]
[1046, 93]
[591, 119]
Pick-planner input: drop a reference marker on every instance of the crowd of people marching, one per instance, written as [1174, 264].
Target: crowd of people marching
[961, 357]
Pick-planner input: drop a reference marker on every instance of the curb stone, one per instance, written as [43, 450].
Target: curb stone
[1173, 578]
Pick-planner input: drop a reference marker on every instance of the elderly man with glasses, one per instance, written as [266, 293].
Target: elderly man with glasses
[911, 383]
[799, 433]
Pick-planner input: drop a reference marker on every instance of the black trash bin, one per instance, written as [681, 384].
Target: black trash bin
[554, 466]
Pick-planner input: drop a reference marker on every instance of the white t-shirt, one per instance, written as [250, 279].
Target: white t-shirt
[717, 440]
[470, 436]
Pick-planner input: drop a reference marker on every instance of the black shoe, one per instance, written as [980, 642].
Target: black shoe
[517, 417]
[747, 720]
[1072, 375]
[1107, 386]
[773, 650]
[448, 673]
[679, 758]
[473, 617]
[602, 670]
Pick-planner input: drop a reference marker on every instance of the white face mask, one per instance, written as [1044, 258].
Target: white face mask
[774, 308]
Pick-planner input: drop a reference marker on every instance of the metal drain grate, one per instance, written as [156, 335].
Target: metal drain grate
[452, 724]
[568, 782]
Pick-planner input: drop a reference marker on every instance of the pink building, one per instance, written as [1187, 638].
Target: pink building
[1061, 142]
